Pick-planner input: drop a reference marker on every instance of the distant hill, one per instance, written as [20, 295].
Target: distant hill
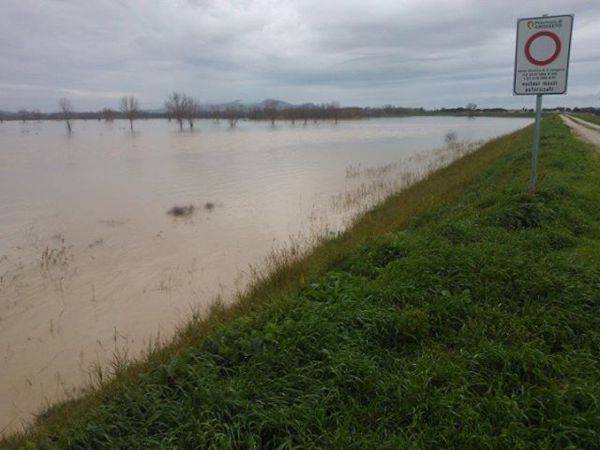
[242, 106]
[272, 103]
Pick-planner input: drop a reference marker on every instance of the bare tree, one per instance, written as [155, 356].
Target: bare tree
[292, 114]
[232, 116]
[216, 115]
[23, 115]
[304, 113]
[175, 106]
[66, 109]
[471, 108]
[108, 114]
[270, 111]
[333, 111]
[131, 108]
[191, 109]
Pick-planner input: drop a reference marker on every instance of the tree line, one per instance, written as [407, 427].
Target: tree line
[185, 110]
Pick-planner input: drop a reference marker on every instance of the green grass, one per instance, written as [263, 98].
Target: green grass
[593, 118]
[461, 313]
[481, 113]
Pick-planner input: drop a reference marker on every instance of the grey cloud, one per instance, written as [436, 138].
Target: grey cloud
[419, 52]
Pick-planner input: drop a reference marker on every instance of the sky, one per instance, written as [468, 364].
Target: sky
[430, 53]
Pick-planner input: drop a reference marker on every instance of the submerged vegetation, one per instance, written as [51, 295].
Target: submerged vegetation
[189, 210]
[460, 313]
[182, 211]
[370, 185]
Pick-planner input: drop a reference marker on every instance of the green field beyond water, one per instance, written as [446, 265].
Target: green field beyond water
[461, 313]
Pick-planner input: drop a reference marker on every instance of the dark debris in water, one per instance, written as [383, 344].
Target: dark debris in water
[189, 210]
[182, 211]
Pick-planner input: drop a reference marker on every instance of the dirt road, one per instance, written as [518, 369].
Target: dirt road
[587, 131]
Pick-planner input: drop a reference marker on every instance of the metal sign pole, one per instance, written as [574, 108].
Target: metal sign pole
[535, 151]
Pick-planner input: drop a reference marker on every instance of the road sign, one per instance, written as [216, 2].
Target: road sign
[541, 67]
[542, 55]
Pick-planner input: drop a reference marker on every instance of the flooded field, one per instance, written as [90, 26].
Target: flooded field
[93, 263]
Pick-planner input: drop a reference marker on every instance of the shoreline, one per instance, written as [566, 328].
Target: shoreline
[279, 267]
[405, 212]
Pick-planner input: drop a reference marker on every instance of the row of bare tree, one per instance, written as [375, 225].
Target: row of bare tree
[180, 107]
[183, 108]
[130, 108]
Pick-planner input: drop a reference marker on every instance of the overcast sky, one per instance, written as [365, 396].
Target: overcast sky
[429, 53]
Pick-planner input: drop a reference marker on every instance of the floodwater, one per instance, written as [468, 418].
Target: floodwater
[91, 263]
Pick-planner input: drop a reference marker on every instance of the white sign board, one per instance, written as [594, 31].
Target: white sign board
[542, 56]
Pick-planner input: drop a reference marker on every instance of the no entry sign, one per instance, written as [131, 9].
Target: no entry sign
[542, 56]
[541, 67]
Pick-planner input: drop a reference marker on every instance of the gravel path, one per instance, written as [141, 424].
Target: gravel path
[587, 131]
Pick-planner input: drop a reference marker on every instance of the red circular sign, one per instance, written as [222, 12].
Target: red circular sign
[542, 62]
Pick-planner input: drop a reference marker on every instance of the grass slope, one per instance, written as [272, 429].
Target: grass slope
[461, 313]
[593, 118]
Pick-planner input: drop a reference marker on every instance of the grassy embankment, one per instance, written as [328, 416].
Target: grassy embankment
[517, 114]
[460, 313]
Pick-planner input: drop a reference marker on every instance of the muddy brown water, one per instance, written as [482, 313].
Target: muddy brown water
[91, 262]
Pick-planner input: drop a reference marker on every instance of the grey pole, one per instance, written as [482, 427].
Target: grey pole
[535, 151]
